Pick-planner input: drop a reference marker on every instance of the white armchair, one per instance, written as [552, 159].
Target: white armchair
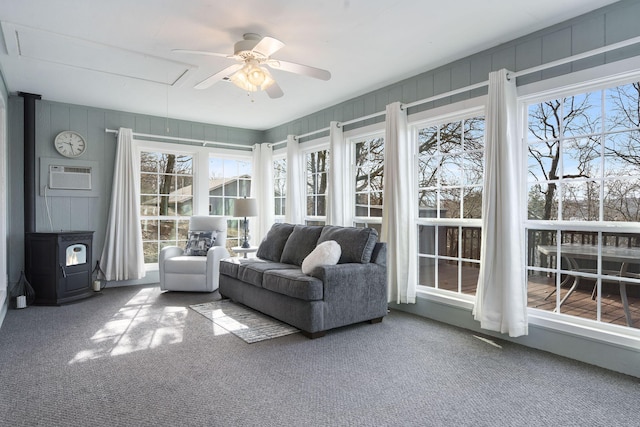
[181, 272]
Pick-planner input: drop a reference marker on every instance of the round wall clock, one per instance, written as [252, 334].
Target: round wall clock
[70, 143]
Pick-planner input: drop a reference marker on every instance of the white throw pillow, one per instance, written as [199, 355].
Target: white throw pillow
[326, 253]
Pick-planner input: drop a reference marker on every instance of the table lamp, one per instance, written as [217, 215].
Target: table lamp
[244, 208]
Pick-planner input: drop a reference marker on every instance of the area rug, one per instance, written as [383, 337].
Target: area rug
[243, 322]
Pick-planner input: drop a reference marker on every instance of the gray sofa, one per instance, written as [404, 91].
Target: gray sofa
[351, 291]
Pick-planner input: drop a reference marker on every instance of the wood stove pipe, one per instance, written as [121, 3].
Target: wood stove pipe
[29, 160]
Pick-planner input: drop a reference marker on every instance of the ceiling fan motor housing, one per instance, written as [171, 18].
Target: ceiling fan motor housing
[243, 48]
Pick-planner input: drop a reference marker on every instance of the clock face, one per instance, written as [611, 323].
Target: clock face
[70, 144]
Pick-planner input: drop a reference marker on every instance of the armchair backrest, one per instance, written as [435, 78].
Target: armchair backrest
[213, 223]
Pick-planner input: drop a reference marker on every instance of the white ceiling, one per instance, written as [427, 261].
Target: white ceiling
[117, 54]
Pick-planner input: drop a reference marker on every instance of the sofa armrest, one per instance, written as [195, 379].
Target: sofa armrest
[353, 292]
[379, 255]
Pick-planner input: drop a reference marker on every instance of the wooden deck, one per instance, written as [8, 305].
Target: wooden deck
[581, 304]
[578, 304]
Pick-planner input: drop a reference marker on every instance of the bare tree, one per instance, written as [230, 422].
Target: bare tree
[452, 155]
[166, 181]
[369, 182]
[162, 176]
[280, 184]
[317, 164]
[551, 122]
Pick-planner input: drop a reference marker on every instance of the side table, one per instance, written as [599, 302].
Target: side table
[245, 251]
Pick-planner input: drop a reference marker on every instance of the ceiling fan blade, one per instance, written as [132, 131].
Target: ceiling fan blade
[305, 70]
[268, 46]
[274, 91]
[215, 78]
[201, 52]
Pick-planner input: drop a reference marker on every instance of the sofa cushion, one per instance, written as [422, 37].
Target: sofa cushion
[272, 245]
[300, 243]
[252, 270]
[326, 253]
[356, 243]
[293, 283]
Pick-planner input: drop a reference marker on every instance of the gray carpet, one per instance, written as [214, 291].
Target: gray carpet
[247, 324]
[137, 357]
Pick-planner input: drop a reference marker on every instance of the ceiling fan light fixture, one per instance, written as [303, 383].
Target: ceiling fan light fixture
[268, 80]
[239, 78]
[252, 77]
[255, 75]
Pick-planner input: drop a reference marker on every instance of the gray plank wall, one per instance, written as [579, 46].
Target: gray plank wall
[84, 213]
[599, 28]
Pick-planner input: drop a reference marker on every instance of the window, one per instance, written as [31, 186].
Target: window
[450, 177]
[229, 179]
[317, 164]
[583, 157]
[279, 188]
[166, 200]
[368, 181]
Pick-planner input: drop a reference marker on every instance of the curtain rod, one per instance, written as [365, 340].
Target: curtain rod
[304, 135]
[577, 57]
[361, 119]
[524, 72]
[176, 138]
[273, 144]
[340, 124]
[532, 70]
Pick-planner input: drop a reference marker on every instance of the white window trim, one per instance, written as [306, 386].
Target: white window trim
[450, 112]
[230, 154]
[308, 147]
[200, 163]
[201, 157]
[314, 145]
[245, 156]
[446, 114]
[351, 137]
[141, 145]
[280, 155]
[584, 81]
[590, 79]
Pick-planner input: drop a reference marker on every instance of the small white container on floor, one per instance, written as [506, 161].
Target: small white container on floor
[21, 301]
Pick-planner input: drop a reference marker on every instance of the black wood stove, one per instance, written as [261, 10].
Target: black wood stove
[58, 266]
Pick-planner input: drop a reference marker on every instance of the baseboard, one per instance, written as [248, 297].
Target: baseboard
[149, 278]
[620, 358]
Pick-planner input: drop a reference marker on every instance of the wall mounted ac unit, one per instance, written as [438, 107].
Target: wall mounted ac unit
[69, 177]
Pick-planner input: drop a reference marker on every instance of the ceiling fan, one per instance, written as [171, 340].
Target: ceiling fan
[253, 52]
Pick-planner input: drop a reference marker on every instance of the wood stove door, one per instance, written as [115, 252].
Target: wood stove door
[74, 273]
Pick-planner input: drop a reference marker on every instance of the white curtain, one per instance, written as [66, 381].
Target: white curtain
[295, 201]
[122, 256]
[398, 221]
[262, 191]
[337, 202]
[501, 296]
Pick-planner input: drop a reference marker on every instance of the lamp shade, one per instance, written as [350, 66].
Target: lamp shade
[245, 207]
